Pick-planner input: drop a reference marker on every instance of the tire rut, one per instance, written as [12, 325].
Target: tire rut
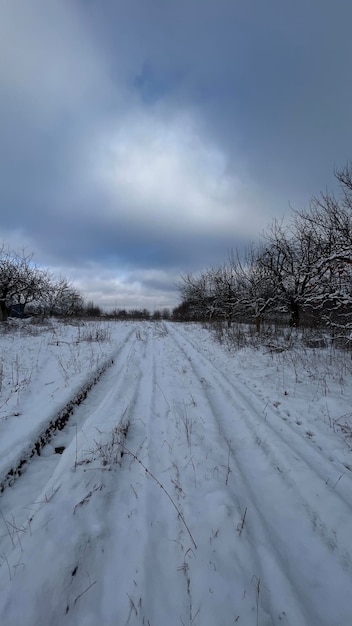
[43, 465]
[58, 423]
[219, 389]
[262, 431]
[163, 545]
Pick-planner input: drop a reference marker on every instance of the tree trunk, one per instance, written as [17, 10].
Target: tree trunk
[258, 321]
[3, 311]
[294, 321]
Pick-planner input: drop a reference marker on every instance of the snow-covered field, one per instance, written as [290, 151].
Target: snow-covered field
[189, 484]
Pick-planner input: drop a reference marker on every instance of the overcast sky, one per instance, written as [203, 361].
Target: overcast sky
[141, 139]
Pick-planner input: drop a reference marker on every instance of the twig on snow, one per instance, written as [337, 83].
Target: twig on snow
[149, 473]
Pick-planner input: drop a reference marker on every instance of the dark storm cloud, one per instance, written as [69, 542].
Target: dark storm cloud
[149, 136]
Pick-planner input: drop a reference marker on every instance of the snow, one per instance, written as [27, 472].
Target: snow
[197, 485]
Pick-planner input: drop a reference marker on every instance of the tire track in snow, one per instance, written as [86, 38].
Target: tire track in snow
[259, 531]
[238, 569]
[98, 558]
[56, 422]
[304, 457]
[128, 560]
[34, 485]
[161, 552]
[219, 390]
[115, 596]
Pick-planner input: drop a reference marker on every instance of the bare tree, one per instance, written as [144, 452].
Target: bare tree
[256, 293]
[59, 297]
[224, 292]
[20, 280]
[329, 223]
[23, 283]
[196, 296]
[304, 264]
[292, 255]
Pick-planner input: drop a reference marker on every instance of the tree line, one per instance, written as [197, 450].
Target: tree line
[27, 289]
[299, 271]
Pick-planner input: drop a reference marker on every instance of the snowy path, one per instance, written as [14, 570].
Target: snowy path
[224, 514]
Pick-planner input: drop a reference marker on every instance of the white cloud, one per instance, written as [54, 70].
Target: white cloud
[157, 167]
[152, 167]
